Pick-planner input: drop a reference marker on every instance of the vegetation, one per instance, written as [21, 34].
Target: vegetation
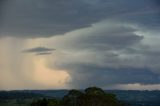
[92, 96]
[26, 97]
[8, 95]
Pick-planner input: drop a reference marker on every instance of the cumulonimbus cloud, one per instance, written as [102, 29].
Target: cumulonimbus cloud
[104, 41]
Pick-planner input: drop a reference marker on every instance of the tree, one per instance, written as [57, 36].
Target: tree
[92, 96]
[42, 102]
[71, 99]
[54, 102]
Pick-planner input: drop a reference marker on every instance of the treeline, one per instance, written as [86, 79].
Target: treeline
[92, 96]
[6, 95]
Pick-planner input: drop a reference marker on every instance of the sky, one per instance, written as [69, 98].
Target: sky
[65, 44]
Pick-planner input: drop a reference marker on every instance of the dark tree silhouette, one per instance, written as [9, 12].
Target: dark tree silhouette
[42, 102]
[92, 96]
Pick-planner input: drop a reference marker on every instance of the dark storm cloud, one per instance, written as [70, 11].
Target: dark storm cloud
[84, 75]
[104, 76]
[2, 5]
[45, 18]
[157, 2]
[119, 37]
[108, 47]
[104, 37]
[108, 69]
[108, 55]
[142, 51]
[39, 50]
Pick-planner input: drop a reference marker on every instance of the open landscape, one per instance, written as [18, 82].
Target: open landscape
[128, 97]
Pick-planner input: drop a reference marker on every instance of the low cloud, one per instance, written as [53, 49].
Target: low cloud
[47, 53]
[39, 51]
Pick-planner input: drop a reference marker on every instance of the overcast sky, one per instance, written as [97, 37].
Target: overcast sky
[64, 44]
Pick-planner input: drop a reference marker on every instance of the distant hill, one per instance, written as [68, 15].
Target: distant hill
[138, 98]
[49, 93]
[6, 95]
[134, 98]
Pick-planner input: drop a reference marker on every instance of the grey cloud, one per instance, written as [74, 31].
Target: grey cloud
[102, 54]
[106, 71]
[106, 77]
[88, 74]
[39, 50]
[119, 39]
[102, 69]
[104, 36]
[41, 18]
[143, 51]
[44, 53]
[108, 54]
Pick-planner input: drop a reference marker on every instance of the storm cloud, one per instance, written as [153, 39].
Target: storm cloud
[97, 42]
[109, 53]
[46, 18]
